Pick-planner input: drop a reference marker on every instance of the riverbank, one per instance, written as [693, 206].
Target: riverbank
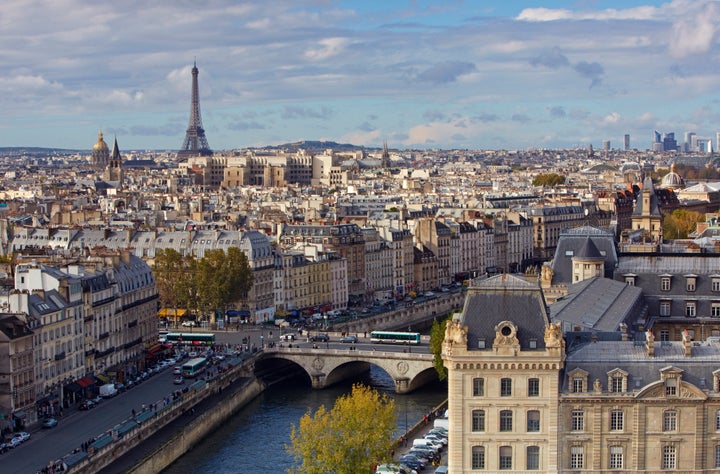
[159, 453]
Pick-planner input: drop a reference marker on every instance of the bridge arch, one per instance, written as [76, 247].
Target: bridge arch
[326, 367]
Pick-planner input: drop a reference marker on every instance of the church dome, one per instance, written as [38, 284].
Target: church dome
[100, 145]
[672, 179]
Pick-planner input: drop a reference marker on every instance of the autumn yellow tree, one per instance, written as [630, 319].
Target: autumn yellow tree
[680, 223]
[356, 434]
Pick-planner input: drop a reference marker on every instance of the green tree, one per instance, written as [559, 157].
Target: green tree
[222, 278]
[548, 179]
[437, 335]
[168, 271]
[349, 439]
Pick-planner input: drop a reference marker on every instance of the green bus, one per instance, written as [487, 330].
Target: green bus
[394, 337]
[194, 367]
[192, 338]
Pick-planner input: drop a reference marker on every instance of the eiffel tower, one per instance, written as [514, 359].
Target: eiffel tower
[195, 143]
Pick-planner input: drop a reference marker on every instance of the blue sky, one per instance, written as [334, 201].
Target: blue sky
[417, 74]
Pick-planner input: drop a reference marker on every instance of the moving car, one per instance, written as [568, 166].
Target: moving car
[287, 337]
[50, 423]
[177, 370]
[189, 324]
[350, 339]
[322, 337]
[178, 380]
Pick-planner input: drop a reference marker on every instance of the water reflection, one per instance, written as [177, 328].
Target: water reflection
[253, 441]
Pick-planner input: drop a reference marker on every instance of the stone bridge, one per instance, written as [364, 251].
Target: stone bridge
[409, 370]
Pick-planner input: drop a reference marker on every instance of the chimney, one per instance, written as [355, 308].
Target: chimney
[650, 343]
[687, 343]
[623, 331]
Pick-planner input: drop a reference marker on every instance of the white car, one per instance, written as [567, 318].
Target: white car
[287, 337]
[189, 324]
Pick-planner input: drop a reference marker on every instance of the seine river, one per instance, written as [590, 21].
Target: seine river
[253, 441]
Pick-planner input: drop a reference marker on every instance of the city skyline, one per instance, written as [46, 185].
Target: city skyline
[414, 74]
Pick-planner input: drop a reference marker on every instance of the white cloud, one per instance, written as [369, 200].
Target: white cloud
[548, 14]
[328, 47]
[695, 33]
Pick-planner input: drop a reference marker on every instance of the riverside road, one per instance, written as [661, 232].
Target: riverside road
[76, 427]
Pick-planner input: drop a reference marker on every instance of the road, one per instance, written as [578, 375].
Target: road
[79, 426]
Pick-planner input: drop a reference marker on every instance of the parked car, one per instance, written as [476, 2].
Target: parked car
[87, 405]
[350, 339]
[23, 436]
[50, 423]
[14, 443]
[189, 324]
[3, 447]
[322, 337]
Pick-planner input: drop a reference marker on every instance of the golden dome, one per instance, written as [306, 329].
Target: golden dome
[100, 145]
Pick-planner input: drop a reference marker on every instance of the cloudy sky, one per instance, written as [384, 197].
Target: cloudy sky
[415, 73]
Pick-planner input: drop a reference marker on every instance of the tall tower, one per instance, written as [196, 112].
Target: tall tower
[114, 170]
[385, 156]
[195, 143]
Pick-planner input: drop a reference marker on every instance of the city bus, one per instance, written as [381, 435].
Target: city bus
[193, 338]
[394, 337]
[194, 367]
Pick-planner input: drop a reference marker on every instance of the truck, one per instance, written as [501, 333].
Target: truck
[108, 390]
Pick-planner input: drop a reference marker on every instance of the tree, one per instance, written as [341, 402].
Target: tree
[437, 335]
[356, 434]
[681, 223]
[222, 278]
[548, 179]
[168, 270]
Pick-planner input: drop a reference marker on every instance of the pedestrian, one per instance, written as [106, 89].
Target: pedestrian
[133, 413]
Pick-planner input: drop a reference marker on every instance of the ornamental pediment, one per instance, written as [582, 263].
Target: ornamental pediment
[659, 391]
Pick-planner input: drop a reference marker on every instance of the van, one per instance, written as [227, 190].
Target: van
[441, 470]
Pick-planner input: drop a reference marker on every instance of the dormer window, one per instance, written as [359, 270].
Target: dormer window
[671, 387]
[617, 381]
[577, 381]
[690, 282]
[715, 283]
[630, 279]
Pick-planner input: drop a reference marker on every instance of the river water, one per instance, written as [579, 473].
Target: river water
[253, 441]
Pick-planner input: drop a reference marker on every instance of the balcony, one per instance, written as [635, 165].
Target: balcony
[104, 335]
[60, 356]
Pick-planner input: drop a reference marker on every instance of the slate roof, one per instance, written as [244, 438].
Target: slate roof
[654, 206]
[500, 298]
[599, 304]
[573, 242]
[599, 358]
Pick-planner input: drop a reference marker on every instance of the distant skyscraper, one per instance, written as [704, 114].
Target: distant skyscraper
[690, 141]
[657, 137]
[669, 142]
[195, 143]
[627, 142]
[717, 141]
[606, 145]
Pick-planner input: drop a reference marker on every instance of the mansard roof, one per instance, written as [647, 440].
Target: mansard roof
[505, 297]
[599, 358]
